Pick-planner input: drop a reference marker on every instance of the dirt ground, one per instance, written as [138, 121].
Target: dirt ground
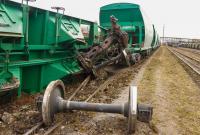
[162, 82]
[175, 97]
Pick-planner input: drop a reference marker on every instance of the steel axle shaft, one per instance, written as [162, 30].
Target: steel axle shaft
[95, 107]
[53, 102]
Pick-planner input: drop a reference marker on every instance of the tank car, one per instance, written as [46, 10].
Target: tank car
[143, 36]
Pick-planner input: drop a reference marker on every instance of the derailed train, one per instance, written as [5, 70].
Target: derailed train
[38, 46]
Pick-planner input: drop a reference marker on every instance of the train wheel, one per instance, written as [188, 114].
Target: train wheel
[54, 89]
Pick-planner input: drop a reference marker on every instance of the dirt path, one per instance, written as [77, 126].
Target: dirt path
[173, 94]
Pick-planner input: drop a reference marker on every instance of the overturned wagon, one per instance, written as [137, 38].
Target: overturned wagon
[38, 46]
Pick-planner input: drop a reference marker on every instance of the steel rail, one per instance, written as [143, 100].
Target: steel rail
[102, 87]
[182, 57]
[190, 58]
[53, 128]
[34, 129]
[190, 50]
[81, 87]
[182, 52]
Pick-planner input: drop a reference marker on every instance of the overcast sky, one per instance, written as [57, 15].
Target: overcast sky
[181, 17]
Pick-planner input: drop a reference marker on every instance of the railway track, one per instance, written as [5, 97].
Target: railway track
[190, 61]
[191, 50]
[190, 53]
[34, 129]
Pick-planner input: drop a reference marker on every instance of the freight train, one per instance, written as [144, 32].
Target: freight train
[194, 45]
[38, 46]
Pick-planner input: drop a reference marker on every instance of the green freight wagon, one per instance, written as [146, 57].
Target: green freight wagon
[132, 19]
[38, 46]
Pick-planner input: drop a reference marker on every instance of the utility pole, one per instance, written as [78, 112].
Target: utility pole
[163, 34]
